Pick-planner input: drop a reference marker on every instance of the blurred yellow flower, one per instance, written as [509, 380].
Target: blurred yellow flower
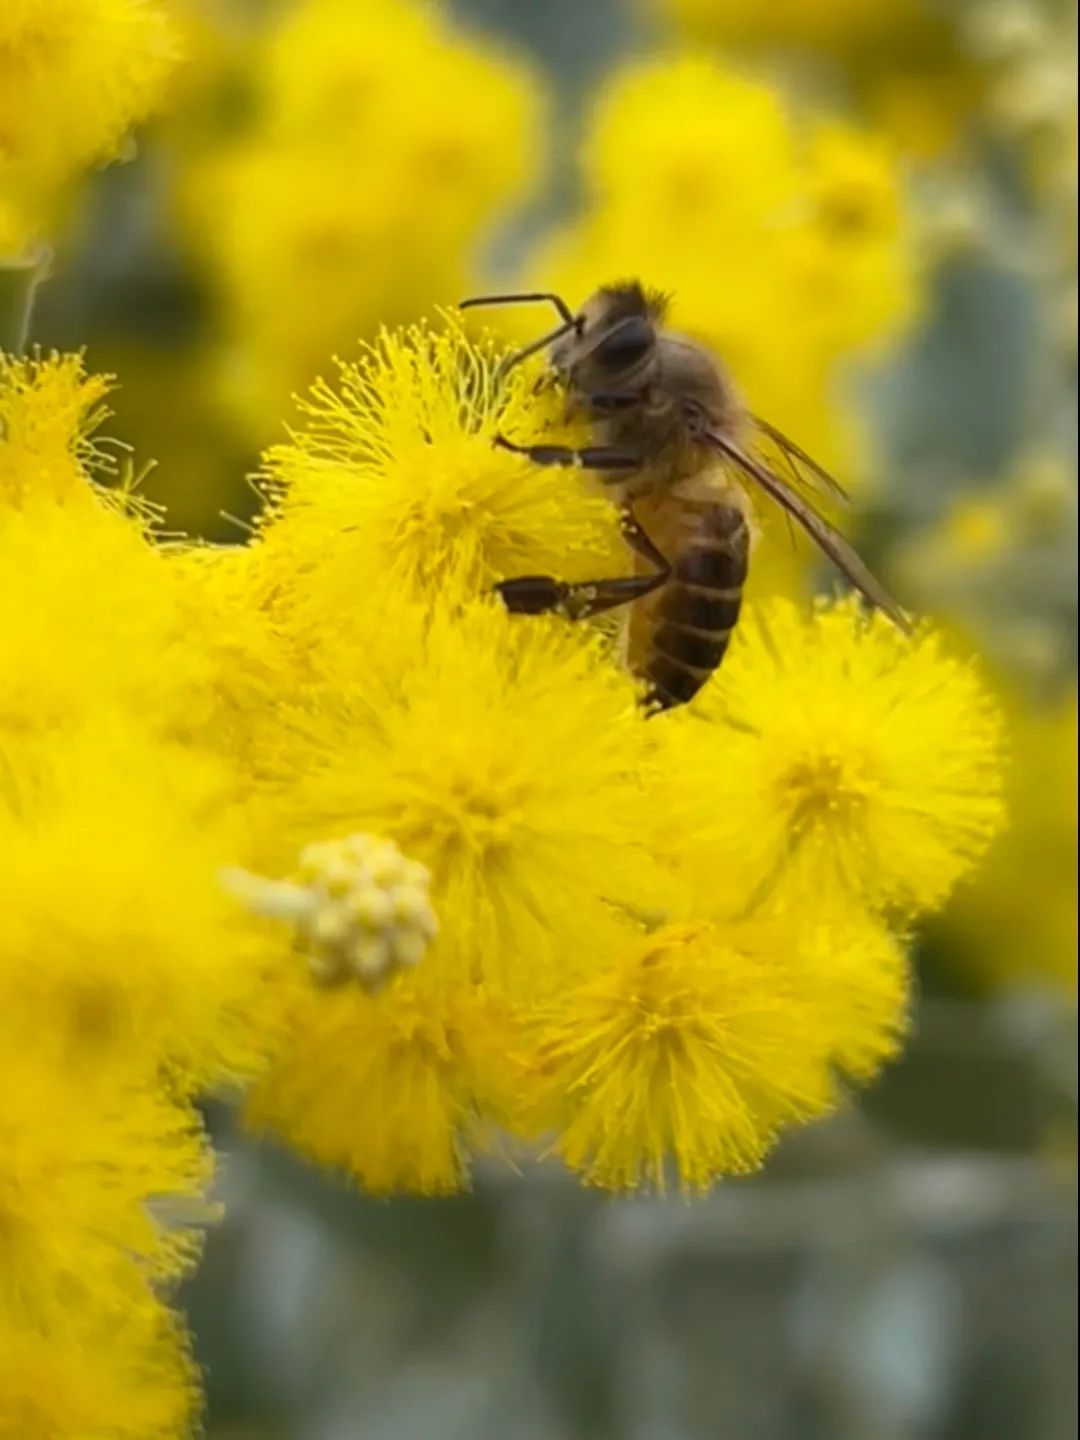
[857, 762]
[348, 204]
[852, 252]
[837, 24]
[81, 1158]
[1015, 921]
[123, 1372]
[119, 949]
[995, 562]
[75, 76]
[904, 60]
[393, 478]
[781, 235]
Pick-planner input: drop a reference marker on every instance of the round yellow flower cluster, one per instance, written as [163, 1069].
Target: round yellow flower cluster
[129, 981]
[659, 941]
[649, 945]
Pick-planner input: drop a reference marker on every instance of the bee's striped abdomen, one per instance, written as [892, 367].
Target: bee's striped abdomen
[696, 611]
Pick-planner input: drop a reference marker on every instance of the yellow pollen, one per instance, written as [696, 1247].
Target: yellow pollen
[820, 786]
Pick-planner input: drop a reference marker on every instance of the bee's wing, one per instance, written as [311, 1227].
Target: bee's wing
[829, 539]
[793, 453]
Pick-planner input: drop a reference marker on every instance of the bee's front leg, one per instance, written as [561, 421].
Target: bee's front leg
[590, 457]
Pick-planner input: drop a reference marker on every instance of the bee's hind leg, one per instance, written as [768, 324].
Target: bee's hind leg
[538, 594]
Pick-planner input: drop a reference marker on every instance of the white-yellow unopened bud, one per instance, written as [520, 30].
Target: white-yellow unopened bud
[360, 908]
[371, 907]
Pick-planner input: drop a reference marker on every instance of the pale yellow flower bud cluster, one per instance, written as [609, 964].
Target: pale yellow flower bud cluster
[360, 908]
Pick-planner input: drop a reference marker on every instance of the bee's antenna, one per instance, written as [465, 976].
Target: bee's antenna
[517, 356]
[526, 297]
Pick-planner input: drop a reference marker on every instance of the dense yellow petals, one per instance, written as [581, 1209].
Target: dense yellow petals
[843, 759]
[123, 1372]
[81, 1159]
[687, 1051]
[49, 410]
[504, 756]
[396, 1089]
[119, 948]
[90, 618]
[854, 971]
[393, 477]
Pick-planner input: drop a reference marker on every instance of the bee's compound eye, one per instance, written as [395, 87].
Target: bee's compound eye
[630, 341]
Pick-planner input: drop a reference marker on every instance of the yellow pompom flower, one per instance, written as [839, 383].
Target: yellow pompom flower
[854, 971]
[95, 608]
[853, 253]
[123, 1372]
[335, 68]
[243, 665]
[718, 150]
[75, 76]
[397, 1089]
[81, 1160]
[90, 619]
[850, 761]
[393, 478]
[119, 949]
[89, 608]
[688, 1050]
[50, 409]
[504, 757]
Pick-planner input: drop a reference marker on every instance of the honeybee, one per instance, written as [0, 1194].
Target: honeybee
[676, 447]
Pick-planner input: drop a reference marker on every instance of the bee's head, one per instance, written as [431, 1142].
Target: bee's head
[609, 345]
[612, 346]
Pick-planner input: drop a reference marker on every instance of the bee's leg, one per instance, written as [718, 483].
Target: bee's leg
[636, 538]
[592, 457]
[537, 594]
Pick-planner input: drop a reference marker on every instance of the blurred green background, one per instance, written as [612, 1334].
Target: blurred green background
[906, 1272]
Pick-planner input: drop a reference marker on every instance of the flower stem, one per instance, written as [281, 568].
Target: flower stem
[19, 280]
